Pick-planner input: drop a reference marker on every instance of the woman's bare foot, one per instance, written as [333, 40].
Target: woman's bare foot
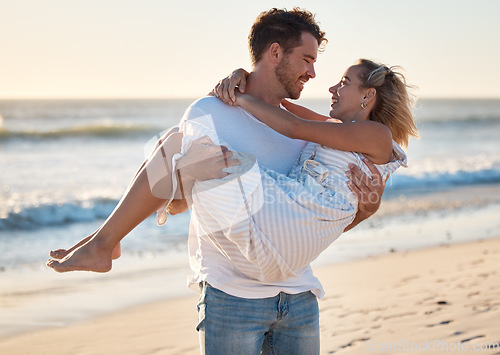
[89, 257]
[62, 253]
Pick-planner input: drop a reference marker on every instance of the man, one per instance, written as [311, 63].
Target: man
[237, 314]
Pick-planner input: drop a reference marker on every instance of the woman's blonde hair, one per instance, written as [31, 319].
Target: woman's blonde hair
[393, 105]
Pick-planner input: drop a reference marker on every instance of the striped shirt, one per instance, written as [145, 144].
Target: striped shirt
[243, 133]
[274, 225]
[254, 233]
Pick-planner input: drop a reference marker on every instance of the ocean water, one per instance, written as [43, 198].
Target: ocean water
[65, 164]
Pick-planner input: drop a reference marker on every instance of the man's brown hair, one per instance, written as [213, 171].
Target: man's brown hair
[283, 27]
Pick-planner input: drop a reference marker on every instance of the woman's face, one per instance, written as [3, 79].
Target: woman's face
[347, 96]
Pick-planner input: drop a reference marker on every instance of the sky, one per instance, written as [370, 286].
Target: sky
[174, 49]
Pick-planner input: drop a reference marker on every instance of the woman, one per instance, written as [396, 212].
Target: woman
[264, 256]
[372, 108]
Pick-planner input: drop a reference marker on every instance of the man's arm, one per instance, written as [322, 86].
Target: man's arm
[369, 191]
[203, 161]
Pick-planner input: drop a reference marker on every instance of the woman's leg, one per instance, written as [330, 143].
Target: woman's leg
[137, 204]
[62, 253]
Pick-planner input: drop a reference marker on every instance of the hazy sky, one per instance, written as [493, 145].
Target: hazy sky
[160, 48]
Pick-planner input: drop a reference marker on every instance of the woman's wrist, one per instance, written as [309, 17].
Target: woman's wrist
[243, 100]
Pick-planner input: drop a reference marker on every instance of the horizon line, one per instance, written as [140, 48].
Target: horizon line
[157, 98]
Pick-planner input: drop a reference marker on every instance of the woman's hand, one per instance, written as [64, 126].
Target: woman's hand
[225, 89]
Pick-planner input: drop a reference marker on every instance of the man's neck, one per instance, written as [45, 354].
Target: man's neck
[261, 86]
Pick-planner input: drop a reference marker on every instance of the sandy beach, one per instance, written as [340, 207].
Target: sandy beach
[89, 87]
[411, 279]
[442, 299]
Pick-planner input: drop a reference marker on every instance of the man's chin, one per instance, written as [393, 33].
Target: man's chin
[294, 96]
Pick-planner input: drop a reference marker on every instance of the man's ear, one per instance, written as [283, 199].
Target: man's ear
[275, 52]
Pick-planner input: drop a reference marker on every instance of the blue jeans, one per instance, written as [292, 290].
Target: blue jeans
[283, 324]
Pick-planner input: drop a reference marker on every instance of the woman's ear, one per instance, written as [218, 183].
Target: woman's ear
[370, 95]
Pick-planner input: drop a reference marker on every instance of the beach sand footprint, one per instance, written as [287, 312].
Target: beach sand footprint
[445, 322]
[350, 344]
[470, 339]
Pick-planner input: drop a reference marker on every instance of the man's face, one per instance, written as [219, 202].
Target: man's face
[297, 67]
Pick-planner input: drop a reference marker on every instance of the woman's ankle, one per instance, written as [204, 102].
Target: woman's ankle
[103, 243]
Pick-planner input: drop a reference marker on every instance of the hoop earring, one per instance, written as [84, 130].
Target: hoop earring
[364, 105]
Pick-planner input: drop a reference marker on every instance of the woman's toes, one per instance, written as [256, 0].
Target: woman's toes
[50, 263]
[58, 254]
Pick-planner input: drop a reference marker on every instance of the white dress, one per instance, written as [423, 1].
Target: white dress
[280, 223]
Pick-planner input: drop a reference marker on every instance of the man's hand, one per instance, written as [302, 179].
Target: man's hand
[369, 191]
[177, 206]
[204, 161]
[224, 90]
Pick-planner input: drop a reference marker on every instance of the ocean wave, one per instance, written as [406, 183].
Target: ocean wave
[436, 179]
[446, 110]
[460, 119]
[54, 214]
[100, 109]
[46, 215]
[103, 130]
